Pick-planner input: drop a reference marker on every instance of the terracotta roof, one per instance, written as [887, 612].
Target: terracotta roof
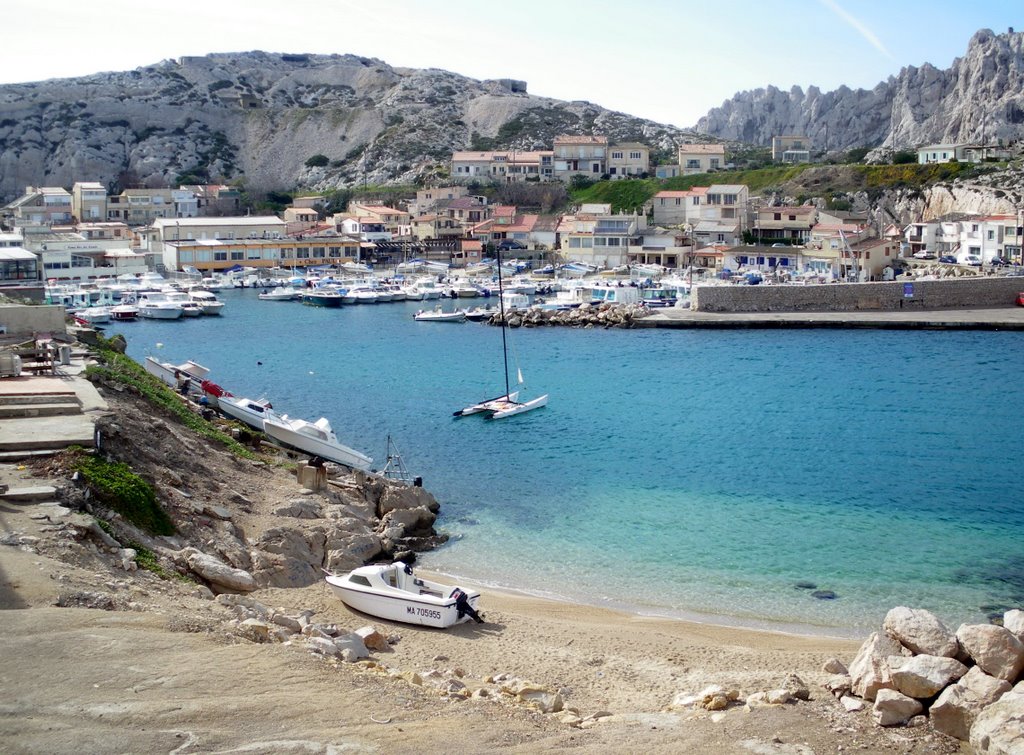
[673, 194]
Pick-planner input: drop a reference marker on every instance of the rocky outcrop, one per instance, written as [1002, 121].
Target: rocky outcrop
[587, 315]
[978, 98]
[262, 116]
[920, 631]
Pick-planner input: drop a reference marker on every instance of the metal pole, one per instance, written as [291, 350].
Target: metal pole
[501, 309]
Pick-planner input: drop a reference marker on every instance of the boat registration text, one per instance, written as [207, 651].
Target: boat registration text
[428, 612]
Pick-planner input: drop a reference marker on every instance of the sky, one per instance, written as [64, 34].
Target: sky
[666, 60]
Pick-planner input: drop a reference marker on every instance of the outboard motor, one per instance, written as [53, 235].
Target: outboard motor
[463, 607]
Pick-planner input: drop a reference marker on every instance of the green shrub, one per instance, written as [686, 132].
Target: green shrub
[117, 487]
[318, 161]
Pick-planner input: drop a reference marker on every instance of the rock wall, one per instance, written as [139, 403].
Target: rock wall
[980, 292]
[979, 98]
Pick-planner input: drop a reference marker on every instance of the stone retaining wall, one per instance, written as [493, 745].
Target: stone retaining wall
[25, 320]
[963, 293]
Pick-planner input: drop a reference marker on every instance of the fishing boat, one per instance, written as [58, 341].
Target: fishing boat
[252, 412]
[124, 312]
[507, 405]
[314, 438]
[394, 592]
[439, 315]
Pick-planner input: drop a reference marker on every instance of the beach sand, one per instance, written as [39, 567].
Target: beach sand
[164, 674]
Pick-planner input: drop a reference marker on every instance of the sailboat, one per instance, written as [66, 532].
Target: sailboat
[507, 405]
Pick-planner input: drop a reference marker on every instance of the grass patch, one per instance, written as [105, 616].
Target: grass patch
[146, 559]
[118, 368]
[115, 485]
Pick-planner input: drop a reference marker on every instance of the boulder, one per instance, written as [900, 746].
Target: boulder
[405, 497]
[300, 508]
[958, 706]
[999, 728]
[352, 643]
[796, 687]
[835, 666]
[292, 625]
[839, 684]
[923, 676]
[543, 700]
[1014, 621]
[373, 639]
[217, 573]
[409, 521]
[276, 570]
[921, 631]
[345, 553]
[995, 649]
[851, 704]
[870, 670]
[778, 696]
[893, 708]
[323, 646]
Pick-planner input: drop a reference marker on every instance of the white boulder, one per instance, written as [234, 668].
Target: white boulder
[218, 573]
[921, 631]
[959, 705]
[923, 676]
[1014, 621]
[995, 649]
[999, 729]
[870, 670]
[893, 708]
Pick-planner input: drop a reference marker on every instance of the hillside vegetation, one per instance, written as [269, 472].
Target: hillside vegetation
[798, 181]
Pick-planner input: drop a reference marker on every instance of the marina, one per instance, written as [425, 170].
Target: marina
[897, 444]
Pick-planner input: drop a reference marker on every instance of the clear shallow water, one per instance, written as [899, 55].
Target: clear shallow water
[677, 473]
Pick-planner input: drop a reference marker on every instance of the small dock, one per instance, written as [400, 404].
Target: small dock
[1001, 318]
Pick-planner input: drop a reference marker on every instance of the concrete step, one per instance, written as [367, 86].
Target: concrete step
[32, 433]
[33, 494]
[38, 410]
[39, 397]
[28, 454]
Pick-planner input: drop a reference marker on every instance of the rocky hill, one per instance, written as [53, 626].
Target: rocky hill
[277, 121]
[979, 98]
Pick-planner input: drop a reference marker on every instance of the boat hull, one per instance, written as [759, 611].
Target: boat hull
[490, 405]
[511, 409]
[242, 410]
[280, 429]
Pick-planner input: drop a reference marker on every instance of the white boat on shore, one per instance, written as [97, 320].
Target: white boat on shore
[395, 593]
[315, 438]
[249, 411]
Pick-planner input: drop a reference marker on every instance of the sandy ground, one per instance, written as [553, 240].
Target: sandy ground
[161, 674]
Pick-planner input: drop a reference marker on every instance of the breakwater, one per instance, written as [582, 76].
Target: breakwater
[892, 296]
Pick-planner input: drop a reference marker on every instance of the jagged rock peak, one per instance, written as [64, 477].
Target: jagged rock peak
[980, 97]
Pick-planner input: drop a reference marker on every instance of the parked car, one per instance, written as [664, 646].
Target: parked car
[506, 244]
[949, 259]
[924, 254]
[971, 259]
[998, 262]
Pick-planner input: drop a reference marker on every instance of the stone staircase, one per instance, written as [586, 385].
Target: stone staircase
[41, 420]
[39, 405]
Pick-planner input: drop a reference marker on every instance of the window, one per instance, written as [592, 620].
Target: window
[220, 256]
[635, 156]
[617, 155]
[238, 255]
[679, 201]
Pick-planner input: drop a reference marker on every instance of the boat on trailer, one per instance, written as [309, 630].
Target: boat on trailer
[394, 592]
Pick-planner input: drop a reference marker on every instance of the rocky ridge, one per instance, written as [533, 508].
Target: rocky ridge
[262, 116]
[979, 98]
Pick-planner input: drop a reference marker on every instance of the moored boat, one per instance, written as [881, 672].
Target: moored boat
[207, 301]
[281, 293]
[394, 592]
[439, 315]
[315, 438]
[250, 411]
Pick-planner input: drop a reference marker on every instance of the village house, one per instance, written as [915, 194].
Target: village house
[629, 160]
[427, 199]
[394, 221]
[580, 155]
[701, 158]
[597, 236]
[143, 206]
[677, 207]
[791, 149]
[43, 206]
[789, 225]
[89, 202]
[18, 266]
[502, 166]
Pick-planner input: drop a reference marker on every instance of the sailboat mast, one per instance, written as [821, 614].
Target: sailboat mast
[501, 309]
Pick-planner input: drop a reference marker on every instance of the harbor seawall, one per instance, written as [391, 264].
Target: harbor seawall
[895, 296]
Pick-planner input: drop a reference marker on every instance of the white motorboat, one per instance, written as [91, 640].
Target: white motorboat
[189, 308]
[156, 305]
[315, 438]
[479, 314]
[281, 293]
[394, 592]
[250, 411]
[92, 315]
[512, 300]
[170, 374]
[322, 297]
[207, 301]
[439, 315]
[124, 312]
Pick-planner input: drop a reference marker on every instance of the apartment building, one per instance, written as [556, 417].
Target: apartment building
[580, 155]
[630, 160]
[701, 158]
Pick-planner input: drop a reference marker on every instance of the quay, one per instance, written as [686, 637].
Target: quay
[996, 318]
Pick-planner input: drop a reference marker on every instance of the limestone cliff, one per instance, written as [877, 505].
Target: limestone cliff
[979, 98]
[261, 116]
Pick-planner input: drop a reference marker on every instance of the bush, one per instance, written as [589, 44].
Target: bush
[117, 487]
[318, 161]
[904, 158]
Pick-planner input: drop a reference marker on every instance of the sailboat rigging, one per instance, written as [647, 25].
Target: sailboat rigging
[509, 404]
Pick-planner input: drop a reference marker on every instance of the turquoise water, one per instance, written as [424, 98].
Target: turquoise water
[679, 473]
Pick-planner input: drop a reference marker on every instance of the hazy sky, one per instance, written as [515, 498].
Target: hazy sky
[667, 60]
